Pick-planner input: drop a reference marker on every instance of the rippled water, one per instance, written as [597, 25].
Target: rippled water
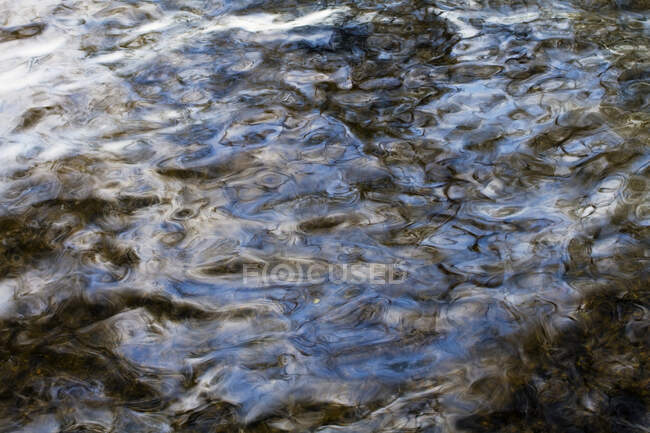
[494, 154]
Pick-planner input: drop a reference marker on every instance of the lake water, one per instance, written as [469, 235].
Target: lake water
[324, 216]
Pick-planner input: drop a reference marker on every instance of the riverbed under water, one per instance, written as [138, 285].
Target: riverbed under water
[493, 153]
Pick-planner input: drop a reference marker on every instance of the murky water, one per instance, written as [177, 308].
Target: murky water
[492, 156]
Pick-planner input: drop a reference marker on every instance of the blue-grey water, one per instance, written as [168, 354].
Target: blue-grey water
[159, 160]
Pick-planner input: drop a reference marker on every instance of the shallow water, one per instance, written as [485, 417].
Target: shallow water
[490, 157]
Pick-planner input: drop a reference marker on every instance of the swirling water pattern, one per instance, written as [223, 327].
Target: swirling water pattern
[494, 152]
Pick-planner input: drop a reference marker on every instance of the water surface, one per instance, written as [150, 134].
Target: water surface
[494, 153]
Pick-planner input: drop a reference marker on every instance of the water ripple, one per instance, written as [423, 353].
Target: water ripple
[491, 156]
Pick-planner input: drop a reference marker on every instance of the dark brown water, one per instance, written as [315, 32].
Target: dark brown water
[489, 158]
